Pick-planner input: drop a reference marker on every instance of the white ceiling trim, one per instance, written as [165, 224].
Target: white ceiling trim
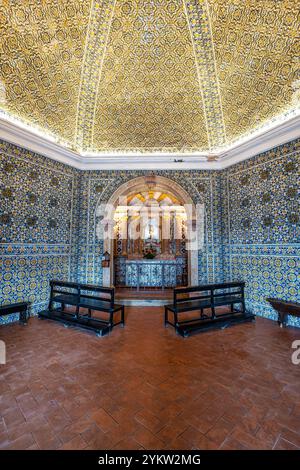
[25, 138]
[270, 138]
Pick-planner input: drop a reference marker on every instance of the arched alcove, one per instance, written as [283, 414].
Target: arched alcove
[194, 219]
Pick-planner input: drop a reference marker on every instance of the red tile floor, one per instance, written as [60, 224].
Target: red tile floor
[145, 387]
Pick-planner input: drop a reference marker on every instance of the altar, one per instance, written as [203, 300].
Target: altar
[150, 242]
[154, 273]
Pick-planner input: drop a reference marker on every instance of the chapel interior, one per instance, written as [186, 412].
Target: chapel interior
[149, 225]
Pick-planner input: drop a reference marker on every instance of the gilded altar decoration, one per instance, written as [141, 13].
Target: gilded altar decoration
[150, 240]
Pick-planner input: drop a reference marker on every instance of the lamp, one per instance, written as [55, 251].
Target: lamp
[105, 260]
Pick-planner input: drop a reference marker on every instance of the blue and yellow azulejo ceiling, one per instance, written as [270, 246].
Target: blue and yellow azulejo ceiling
[148, 75]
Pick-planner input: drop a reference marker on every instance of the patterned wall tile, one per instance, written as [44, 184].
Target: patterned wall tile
[202, 186]
[38, 225]
[261, 227]
[265, 251]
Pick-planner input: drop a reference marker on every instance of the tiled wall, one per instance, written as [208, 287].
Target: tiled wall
[98, 186]
[48, 224]
[38, 225]
[261, 227]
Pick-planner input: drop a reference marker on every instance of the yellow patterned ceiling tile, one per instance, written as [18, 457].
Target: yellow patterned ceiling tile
[41, 47]
[256, 50]
[148, 75]
[149, 97]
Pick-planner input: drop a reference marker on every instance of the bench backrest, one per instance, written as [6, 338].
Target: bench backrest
[89, 291]
[208, 291]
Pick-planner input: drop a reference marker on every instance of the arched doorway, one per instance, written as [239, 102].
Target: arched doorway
[170, 199]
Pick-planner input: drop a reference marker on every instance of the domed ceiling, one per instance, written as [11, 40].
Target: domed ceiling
[148, 75]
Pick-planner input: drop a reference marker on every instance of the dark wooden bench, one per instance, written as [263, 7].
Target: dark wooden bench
[86, 299]
[207, 297]
[20, 307]
[284, 308]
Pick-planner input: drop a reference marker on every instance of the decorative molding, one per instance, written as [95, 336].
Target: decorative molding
[197, 14]
[270, 138]
[27, 139]
[98, 32]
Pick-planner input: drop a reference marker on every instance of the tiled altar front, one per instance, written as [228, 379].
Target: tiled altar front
[152, 273]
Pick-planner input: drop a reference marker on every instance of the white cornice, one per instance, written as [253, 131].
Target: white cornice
[23, 137]
[270, 138]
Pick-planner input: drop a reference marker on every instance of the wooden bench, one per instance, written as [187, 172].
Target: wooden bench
[21, 307]
[86, 298]
[284, 308]
[207, 297]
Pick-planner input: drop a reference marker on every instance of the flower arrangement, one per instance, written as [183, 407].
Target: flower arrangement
[150, 253]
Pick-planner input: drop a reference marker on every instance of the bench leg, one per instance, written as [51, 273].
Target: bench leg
[282, 319]
[166, 316]
[176, 320]
[123, 315]
[23, 317]
[111, 320]
[77, 312]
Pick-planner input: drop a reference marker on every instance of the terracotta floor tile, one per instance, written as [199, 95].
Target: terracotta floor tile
[220, 431]
[4, 441]
[12, 417]
[282, 444]
[147, 439]
[32, 424]
[75, 428]
[292, 437]
[127, 444]
[146, 387]
[179, 443]
[173, 430]
[247, 439]
[148, 420]
[96, 439]
[197, 439]
[46, 439]
[77, 443]
[103, 420]
[22, 442]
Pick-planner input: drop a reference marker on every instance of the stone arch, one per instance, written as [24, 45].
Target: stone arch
[167, 185]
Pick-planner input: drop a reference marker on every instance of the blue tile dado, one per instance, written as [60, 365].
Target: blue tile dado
[263, 249]
[15, 249]
[261, 227]
[38, 231]
[47, 224]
